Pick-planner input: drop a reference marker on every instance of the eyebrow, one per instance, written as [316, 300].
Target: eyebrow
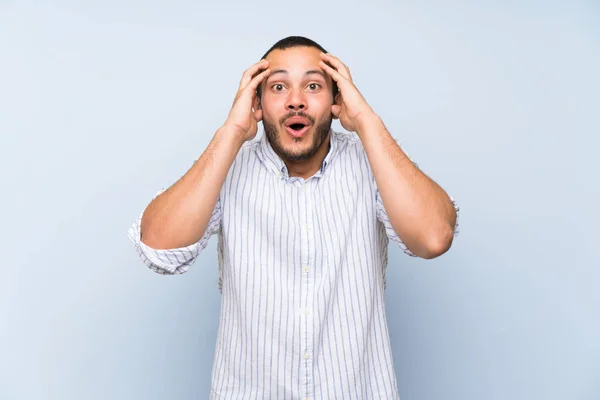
[309, 72]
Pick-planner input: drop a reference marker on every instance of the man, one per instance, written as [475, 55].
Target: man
[303, 217]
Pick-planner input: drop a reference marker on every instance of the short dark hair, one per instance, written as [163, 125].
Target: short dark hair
[295, 41]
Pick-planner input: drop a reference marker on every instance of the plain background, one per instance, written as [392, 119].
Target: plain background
[104, 103]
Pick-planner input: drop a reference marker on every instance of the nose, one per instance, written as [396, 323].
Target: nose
[296, 101]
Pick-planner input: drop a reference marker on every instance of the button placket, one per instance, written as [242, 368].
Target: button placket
[307, 295]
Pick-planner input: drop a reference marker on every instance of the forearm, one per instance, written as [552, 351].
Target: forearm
[179, 216]
[419, 210]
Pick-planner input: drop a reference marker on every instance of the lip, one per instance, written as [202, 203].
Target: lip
[296, 120]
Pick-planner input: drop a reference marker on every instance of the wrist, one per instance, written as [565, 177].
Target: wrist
[366, 121]
[232, 133]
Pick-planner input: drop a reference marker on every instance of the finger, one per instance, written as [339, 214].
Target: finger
[337, 64]
[253, 85]
[252, 72]
[335, 75]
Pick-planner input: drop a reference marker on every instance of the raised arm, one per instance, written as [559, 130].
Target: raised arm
[420, 212]
[179, 216]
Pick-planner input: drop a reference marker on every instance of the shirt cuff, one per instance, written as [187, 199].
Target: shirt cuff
[175, 260]
[391, 233]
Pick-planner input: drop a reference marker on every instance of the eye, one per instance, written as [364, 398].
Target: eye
[314, 86]
[277, 87]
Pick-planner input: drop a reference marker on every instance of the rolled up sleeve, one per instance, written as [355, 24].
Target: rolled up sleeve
[382, 216]
[176, 260]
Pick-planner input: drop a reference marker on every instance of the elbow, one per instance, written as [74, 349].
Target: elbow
[159, 242]
[148, 237]
[438, 244]
[151, 242]
[154, 239]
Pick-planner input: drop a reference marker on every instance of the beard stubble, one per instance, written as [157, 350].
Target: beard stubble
[319, 135]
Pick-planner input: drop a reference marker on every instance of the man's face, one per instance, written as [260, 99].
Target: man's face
[296, 103]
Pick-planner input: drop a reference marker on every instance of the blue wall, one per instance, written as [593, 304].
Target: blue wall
[103, 104]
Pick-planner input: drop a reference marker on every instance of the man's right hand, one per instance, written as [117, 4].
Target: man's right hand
[242, 118]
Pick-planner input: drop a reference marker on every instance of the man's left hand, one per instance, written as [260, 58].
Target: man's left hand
[349, 106]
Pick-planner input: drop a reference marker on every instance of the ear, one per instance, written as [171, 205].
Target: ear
[257, 108]
[338, 98]
[336, 106]
[256, 102]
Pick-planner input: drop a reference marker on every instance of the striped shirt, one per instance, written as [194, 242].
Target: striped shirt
[301, 276]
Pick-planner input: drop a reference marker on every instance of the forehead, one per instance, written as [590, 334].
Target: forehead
[295, 59]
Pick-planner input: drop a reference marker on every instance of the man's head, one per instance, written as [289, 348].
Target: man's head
[296, 99]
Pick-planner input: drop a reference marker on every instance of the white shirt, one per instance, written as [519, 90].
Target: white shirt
[302, 276]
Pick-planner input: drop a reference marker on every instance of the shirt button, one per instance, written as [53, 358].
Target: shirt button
[306, 311]
[306, 356]
[306, 269]
[308, 227]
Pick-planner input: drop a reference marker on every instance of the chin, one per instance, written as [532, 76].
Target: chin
[293, 149]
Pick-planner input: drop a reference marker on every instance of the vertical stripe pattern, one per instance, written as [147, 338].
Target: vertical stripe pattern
[302, 277]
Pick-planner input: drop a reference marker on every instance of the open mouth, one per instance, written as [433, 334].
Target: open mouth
[297, 130]
[297, 126]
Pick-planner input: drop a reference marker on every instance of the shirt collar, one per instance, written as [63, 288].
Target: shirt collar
[273, 162]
